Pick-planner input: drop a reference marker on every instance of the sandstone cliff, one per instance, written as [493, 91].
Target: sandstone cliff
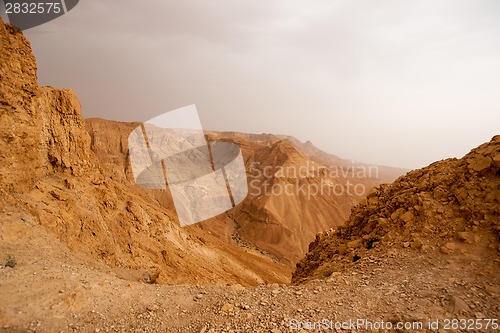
[51, 177]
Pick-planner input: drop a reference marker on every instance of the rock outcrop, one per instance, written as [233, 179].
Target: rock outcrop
[42, 127]
[448, 207]
[19, 122]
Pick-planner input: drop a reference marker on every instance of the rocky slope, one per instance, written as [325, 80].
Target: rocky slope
[451, 206]
[291, 196]
[50, 289]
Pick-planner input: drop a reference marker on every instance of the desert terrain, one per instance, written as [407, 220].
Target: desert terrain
[83, 249]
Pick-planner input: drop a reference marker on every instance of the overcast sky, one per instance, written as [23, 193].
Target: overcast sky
[400, 83]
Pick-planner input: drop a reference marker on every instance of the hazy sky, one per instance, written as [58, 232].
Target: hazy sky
[401, 83]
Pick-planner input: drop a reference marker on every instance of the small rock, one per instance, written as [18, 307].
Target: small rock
[382, 222]
[448, 248]
[479, 164]
[335, 274]
[416, 244]
[59, 195]
[458, 305]
[237, 287]
[407, 217]
[152, 307]
[227, 307]
[354, 244]
[465, 237]
[479, 315]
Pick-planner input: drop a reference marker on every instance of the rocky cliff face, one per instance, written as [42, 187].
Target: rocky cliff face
[18, 117]
[450, 207]
[42, 127]
[50, 177]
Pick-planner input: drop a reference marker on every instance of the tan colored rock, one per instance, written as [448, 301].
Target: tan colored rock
[396, 214]
[59, 195]
[237, 288]
[466, 237]
[458, 305]
[373, 201]
[449, 248]
[439, 193]
[227, 307]
[355, 243]
[496, 159]
[407, 216]
[480, 164]
[417, 244]
[382, 222]
[342, 248]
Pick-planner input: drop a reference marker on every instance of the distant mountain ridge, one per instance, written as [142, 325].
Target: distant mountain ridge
[384, 173]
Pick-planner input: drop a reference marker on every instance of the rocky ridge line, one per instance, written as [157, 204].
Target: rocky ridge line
[441, 207]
